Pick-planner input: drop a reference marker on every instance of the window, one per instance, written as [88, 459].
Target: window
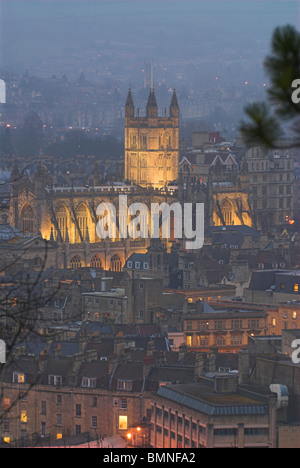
[224, 432]
[123, 423]
[294, 314]
[253, 324]
[27, 219]
[141, 315]
[123, 403]
[296, 287]
[236, 323]
[202, 340]
[115, 263]
[256, 431]
[43, 407]
[82, 223]
[59, 399]
[78, 411]
[189, 340]
[88, 382]
[75, 262]
[220, 324]
[6, 425]
[124, 384]
[77, 429]
[220, 340]
[96, 262]
[94, 401]
[129, 264]
[236, 340]
[6, 403]
[94, 422]
[59, 419]
[62, 221]
[18, 377]
[54, 379]
[23, 417]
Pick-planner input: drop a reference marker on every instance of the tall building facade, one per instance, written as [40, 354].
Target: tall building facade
[271, 184]
[151, 143]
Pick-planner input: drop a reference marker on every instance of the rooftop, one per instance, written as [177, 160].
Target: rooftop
[202, 397]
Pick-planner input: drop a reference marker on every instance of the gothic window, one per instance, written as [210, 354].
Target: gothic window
[81, 215]
[143, 141]
[75, 262]
[62, 220]
[96, 262]
[227, 211]
[133, 140]
[27, 219]
[115, 263]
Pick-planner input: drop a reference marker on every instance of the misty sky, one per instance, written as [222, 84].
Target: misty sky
[34, 30]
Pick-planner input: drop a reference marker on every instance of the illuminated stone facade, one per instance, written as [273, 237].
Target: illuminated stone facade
[67, 215]
[151, 144]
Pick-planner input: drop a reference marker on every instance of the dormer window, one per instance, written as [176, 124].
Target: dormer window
[124, 384]
[18, 377]
[54, 379]
[88, 382]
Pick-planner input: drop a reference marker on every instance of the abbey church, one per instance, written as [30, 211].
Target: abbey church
[68, 216]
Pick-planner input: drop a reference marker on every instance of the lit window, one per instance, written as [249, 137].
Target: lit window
[7, 440]
[273, 322]
[294, 314]
[18, 377]
[296, 287]
[59, 436]
[189, 340]
[23, 417]
[123, 423]
[6, 403]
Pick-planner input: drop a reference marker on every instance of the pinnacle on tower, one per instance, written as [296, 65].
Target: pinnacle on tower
[174, 107]
[151, 109]
[129, 106]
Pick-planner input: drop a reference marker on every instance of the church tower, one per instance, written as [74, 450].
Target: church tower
[151, 143]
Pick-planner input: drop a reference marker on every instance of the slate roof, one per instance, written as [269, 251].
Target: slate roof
[130, 371]
[94, 369]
